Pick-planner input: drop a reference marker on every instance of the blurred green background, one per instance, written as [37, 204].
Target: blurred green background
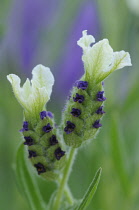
[42, 31]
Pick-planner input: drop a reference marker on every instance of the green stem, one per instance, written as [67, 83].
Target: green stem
[68, 195]
[64, 179]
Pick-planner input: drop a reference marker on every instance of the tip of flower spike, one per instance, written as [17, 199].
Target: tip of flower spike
[86, 40]
[101, 65]
[34, 94]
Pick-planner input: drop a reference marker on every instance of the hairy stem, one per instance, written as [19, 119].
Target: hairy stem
[63, 181]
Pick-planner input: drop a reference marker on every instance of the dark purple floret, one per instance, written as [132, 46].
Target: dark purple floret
[100, 96]
[78, 98]
[53, 140]
[102, 83]
[82, 85]
[29, 141]
[59, 153]
[76, 112]
[40, 168]
[44, 114]
[97, 124]
[100, 110]
[25, 126]
[31, 154]
[70, 127]
[47, 128]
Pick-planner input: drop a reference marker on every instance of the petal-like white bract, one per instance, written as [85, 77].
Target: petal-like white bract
[85, 41]
[35, 94]
[100, 60]
[120, 60]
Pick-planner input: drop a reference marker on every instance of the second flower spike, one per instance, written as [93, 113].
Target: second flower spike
[81, 119]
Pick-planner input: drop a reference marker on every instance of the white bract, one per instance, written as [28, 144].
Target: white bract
[35, 93]
[100, 60]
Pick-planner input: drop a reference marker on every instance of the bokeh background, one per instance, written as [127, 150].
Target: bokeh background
[42, 31]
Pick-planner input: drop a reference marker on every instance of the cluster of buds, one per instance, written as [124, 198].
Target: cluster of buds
[44, 149]
[81, 118]
[84, 109]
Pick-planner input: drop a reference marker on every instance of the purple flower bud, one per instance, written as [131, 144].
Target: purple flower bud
[31, 154]
[76, 112]
[59, 153]
[100, 96]
[100, 110]
[97, 124]
[78, 98]
[29, 141]
[81, 85]
[70, 127]
[40, 168]
[44, 114]
[25, 126]
[53, 140]
[47, 128]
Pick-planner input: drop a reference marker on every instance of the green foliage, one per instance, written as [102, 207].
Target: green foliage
[90, 192]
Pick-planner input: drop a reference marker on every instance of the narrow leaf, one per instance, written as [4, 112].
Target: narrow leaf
[26, 182]
[118, 153]
[90, 192]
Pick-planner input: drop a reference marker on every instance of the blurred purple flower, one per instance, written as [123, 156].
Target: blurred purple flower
[27, 20]
[71, 66]
[30, 20]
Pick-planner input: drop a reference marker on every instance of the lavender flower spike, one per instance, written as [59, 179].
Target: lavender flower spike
[99, 61]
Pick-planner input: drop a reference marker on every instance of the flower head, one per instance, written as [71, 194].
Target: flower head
[100, 60]
[35, 93]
